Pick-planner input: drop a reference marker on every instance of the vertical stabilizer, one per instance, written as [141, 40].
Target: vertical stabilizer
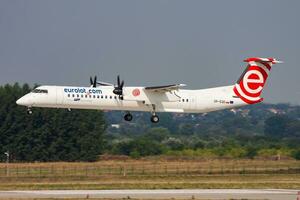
[251, 83]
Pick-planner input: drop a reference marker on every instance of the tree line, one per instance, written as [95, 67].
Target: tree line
[262, 130]
[47, 134]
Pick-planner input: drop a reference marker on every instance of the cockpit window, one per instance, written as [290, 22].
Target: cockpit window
[40, 91]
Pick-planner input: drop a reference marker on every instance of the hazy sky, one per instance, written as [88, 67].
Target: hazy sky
[200, 43]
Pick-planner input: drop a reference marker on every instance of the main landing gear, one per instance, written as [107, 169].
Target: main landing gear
[154, 118]
[128, 117]
[29, 111]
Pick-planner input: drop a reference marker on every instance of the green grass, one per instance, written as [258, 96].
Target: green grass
[161, 182]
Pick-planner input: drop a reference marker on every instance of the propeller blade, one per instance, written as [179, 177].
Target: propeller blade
[119, 87]
[118, 80]
[91, 80]
[95, 82]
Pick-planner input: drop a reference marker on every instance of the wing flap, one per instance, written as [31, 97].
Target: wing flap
[164, 88]
[104, 83]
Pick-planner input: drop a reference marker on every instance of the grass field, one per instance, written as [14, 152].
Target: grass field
[151, 174]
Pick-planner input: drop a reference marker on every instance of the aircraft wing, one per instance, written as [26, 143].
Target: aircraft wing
[104, 83]
[164, 88]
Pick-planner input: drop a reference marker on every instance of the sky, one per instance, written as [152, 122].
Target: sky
[148, 43]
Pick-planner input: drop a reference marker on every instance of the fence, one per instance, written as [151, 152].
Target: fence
[140, 169]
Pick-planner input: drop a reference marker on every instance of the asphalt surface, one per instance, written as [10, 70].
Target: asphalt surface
[212, 194]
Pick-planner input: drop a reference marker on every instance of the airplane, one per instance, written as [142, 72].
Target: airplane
[154, 99]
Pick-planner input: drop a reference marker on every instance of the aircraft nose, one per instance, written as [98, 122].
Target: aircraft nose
[23, 101]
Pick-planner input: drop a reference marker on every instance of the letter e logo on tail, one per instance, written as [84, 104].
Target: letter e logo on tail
[252, 81]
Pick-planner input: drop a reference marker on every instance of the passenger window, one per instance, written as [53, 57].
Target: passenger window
[98, 96]
[182, 100]
[187, 100]
[110, 97]
[85, 96]
[105, 97]
[77, 95]
[69, 95]
[82, 96]
[90, 96]
[73, 95]
[94, 96]
[115, 97]
[101, 96]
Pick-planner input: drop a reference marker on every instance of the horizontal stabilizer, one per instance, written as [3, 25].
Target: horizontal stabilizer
[262, 60]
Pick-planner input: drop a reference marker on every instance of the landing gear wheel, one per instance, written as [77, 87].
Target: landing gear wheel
[154, 119]
[128, 117]
[29, 111]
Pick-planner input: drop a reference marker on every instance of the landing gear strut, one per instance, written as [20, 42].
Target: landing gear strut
[154, 118]
[128, 117]
[29, 111]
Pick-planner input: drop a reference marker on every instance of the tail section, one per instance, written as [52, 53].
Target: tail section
[251, 83]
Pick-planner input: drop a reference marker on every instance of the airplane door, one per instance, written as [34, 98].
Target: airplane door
[199, 103]
[59, 97]
[192, 103]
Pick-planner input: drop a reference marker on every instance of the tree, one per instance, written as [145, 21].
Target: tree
[186, 129]
[276, 126]
[251, 152]
[293, 128]
[48, 134]
[296, 154]
[157, 134]
[142, 146]
[174, 143]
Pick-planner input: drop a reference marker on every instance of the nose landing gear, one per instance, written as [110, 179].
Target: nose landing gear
[29, 111]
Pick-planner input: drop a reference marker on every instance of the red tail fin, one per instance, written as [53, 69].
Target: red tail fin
[250, 84]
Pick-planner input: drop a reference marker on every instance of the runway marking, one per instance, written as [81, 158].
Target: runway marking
[166, 191]
[272, 194]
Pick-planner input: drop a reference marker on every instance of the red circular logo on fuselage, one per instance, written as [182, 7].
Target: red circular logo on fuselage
[136, 92]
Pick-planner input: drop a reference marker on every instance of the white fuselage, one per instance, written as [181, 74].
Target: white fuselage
[167, 98]
[103, 98]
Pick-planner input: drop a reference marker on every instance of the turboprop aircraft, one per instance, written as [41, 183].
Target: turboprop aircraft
[154, 99]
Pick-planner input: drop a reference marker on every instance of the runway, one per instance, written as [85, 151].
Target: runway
[213, 194]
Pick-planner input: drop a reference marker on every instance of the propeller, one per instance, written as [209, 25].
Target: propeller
[119, 88]
[93, 82]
